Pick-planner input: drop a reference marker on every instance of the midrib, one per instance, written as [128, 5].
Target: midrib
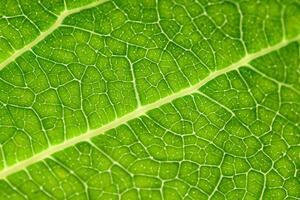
[43, 35]
[141, 110]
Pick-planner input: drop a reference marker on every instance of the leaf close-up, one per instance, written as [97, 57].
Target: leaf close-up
[149, 99]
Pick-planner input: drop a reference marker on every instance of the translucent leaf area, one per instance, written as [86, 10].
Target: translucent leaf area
[149, 99]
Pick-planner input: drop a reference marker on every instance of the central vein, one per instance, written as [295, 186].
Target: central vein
[141, 110]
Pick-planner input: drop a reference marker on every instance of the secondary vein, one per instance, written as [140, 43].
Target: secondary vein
[44, 34]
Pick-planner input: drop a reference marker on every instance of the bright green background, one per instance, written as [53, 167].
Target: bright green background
[238, 137]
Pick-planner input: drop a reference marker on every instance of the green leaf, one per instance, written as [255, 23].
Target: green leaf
[131, 99]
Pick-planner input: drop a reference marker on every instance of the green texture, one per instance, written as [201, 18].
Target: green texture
[145, 99]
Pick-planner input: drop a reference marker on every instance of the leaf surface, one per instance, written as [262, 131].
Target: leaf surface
[149, 99]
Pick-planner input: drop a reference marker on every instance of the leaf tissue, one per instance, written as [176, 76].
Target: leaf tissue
[149, 99]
